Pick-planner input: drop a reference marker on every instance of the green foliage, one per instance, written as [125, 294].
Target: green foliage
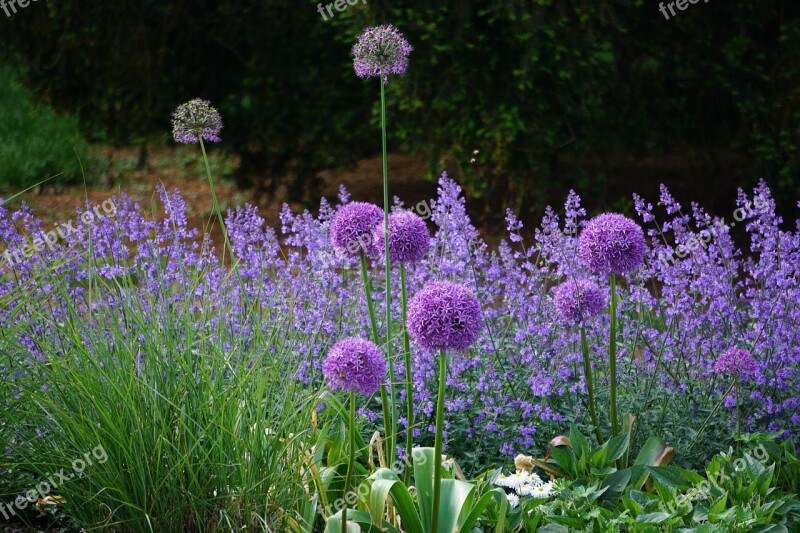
[200, 431]
[37, 143]
[543, 89]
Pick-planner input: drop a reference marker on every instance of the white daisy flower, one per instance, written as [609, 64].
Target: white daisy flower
[545, 490]
[513, 500]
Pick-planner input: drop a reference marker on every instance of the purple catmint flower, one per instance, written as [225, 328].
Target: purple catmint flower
[612, 244]
[355, 365]
[444, 315]
[735, 361]
[381, 51]
[578, 300]
[196, 119]
[409, 239]
[351, 228]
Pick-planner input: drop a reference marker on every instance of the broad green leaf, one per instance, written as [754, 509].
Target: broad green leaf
[385, 482]
[616, 483]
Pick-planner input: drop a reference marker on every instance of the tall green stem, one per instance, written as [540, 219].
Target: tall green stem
[409, 387]
[612, 357]
[216, 203]
[587, 374]
[375, 338]
[437, 447]
[390, 432]
[349, 478]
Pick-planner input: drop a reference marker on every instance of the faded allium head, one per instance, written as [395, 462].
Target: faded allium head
[380, 52]
[578, 300]
[444, 315]
[351, 228]
[612, 244]
[409, 239]
[735, 361]
[196, 119]
[355, 365]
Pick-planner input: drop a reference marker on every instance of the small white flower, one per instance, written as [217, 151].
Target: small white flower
[544, 490]
[513, 500]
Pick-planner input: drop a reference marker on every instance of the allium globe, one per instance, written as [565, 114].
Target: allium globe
[355, 365]
[351, 228]
[735, 361]
[409, 239]
[578, 300]
[381, 51]
[612, 244]
[196, 119]
[444, 315]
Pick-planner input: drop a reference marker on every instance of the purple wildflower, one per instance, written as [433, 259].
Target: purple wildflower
[578, 300]
[381, 51]
[444, 315]
[409, 239]
[355, 365]
[196, 119]
[351, 228]
[735, 361]
[612, 244]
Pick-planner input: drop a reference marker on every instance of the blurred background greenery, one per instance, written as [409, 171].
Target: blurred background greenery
[605, 96]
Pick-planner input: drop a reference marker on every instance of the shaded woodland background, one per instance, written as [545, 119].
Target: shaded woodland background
[606, 97]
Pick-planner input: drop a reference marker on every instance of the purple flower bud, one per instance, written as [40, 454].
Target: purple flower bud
[381, 51]
[355, 365]
[196, 119]
[578, 300]
[735, 361]
[409, 239]
[444, 316]
[612, 244]
[351, 228]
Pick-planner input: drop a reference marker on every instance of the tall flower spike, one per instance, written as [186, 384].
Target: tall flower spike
[380, 52]
[578, 300]
[351, 228]
[444, 315]
[612, 244]
[355, 365]
[409, 239]
[196, 119]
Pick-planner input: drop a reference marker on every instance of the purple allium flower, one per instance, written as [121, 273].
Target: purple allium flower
[409, 239]
[351, 228]
[735, 361]
[195, 119]
[381, 51]
[578, 300]
[444, 315]
[612, 243]
[355, 365]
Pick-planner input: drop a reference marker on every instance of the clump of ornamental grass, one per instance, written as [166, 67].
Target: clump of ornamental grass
[197, 413]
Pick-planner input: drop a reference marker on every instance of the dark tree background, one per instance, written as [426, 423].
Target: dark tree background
[606, 95]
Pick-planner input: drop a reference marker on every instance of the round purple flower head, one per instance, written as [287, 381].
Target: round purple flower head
[355, 365]
[443, 316]
[735, 361]
[351, 228]
[196, 119]
[381, 51]
[612, 244]
[409, 239]
[578, 300]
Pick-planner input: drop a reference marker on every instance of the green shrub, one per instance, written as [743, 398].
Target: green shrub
[37, 142]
